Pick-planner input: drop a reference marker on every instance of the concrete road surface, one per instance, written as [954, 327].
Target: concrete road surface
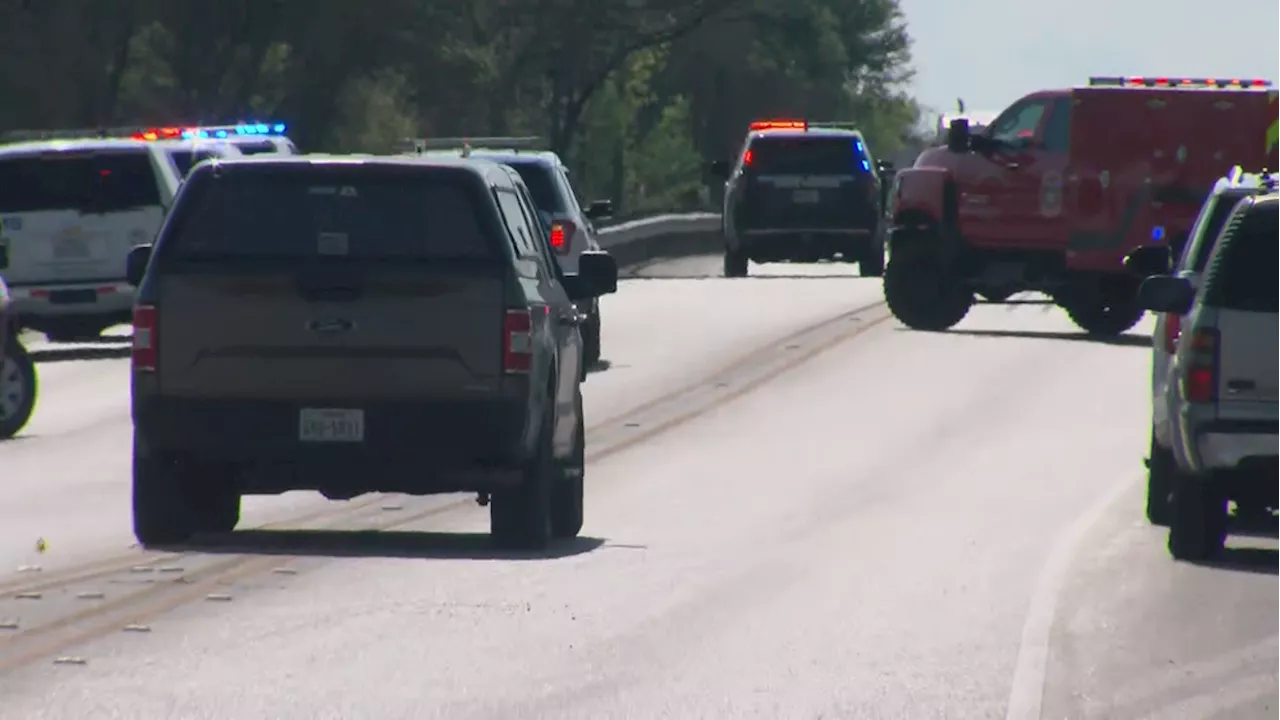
[854, 521]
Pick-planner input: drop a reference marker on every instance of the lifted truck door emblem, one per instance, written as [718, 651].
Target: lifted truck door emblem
[329, 326]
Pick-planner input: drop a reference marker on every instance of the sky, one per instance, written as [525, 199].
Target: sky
[992, 52]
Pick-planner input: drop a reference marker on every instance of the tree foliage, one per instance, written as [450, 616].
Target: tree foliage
[636, 94]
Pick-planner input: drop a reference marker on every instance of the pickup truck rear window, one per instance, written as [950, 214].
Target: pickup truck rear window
[541, 181]
[1243, 275]
[353, 213]
[91, 181]
[805, 156]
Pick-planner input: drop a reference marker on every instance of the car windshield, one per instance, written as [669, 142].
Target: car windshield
[357, 213]
[805, 156]
[92, 181]
[541, 180]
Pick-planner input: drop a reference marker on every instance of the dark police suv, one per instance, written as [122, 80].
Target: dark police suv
[803, 192]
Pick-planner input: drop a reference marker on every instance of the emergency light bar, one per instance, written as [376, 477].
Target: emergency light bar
[142, 132]
[779, 125]
[1173, 82]
[218, 132]
[466, 145]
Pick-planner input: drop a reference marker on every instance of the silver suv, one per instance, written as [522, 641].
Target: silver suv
[1223, 392]
[1156, 260]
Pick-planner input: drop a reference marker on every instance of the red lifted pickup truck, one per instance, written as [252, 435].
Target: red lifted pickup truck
[1059, 188]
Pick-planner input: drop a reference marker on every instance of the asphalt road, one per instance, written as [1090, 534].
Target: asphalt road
[864, 522]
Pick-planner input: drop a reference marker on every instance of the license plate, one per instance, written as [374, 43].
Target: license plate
[71, 248]
[329, 425]
[804, 196]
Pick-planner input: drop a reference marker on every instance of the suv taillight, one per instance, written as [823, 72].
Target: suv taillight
[1200, 381]
[1172, 327]
[561, 237]
[145, 324]
[517, 342]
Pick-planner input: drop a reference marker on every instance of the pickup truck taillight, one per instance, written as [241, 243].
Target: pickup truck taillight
[1200, 380]
[145, 320]
[517, 342]
[561, 237]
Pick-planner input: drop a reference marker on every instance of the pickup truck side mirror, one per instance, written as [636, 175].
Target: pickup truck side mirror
[958, 138]
[597, 275]
[1165, 293]
[135, 264]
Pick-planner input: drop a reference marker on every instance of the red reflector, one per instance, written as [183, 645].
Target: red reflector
[145, 320]
[517, 342]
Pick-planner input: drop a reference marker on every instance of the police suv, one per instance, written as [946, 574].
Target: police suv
[71, 209]
[803, 192]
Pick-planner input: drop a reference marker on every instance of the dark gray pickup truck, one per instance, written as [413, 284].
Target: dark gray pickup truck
[353, 325]
[17, 369]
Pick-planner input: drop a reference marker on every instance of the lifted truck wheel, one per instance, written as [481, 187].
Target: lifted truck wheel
[1198, 518]
[520, 517]
[922, 294]
[735, 264]
[19, 386]
[1104, 319]
[567, 498]
[1161, 469]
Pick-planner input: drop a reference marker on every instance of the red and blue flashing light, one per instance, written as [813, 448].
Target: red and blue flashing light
[213, 132]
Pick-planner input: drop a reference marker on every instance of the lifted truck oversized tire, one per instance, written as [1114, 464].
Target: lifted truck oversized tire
[1198, 518]
[922, 294]
[567, 499]
[1161, 469]
[1105, 320]
[520, 517]
[735, 264]
[19, 386]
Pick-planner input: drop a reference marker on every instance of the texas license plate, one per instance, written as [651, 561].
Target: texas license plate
[330, 425]
[804, 196]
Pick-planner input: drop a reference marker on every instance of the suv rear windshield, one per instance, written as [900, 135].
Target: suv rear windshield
[1242, 275]
[263, 147]
[348, 212]
[1205, 237]
[805, 156]
[92, 181]
[543, 185]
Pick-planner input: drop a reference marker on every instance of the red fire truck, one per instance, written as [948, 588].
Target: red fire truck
[1053, 194]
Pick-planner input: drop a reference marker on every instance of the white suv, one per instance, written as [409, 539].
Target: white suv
[1223, 393]
[1155, 260]
[70, 212]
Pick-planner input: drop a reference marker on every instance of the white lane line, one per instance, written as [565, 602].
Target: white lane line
[1026, 695]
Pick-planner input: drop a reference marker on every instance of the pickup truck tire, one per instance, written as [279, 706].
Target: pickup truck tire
[735, 264]
[923, 294]
[872, 265]
[591, 342]
[1198, 519]
[1161, 469]
[19, 386]
[161, 513]
[568, 497]
[214, 499]
[1105, 320]
[520, 517]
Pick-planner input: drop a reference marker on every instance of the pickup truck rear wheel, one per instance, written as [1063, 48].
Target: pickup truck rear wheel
[567, 499]
[1161, 468]
[735, 264]
[1198, 518]
[922, 293]
[1105, 319]
[520, 517]
[214, 500]
[161, 513]
[18, 387]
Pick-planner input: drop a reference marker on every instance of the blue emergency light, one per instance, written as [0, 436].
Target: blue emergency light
[222, 132]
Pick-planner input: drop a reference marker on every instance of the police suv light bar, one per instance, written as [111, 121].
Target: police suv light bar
[143, 132]
[779, 125]
[1175, 82]
[473, 143]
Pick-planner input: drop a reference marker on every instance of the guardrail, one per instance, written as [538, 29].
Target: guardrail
[662, 236]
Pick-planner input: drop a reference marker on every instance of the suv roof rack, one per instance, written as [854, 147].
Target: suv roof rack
[466, 145]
